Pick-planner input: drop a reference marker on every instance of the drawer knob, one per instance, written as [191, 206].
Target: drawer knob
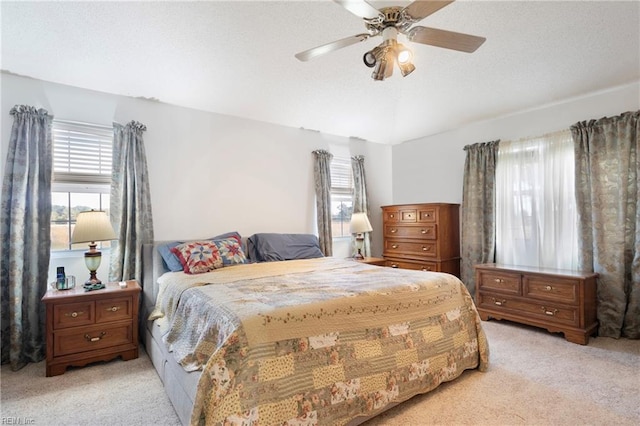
[392, 216]
[73, 314]
[423, 231]
[113, 309]
[393, 231]
[426, 268]
[425, 248]
[395, 246]
[96, 338]
[393, 265]
[499, 302]
[548, 288]
[549, 311]
[499, 280]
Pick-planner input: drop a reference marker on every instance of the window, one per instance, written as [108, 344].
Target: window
[341, 196]
[536, 216]
[81, 177]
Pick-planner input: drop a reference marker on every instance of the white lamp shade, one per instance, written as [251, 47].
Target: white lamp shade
[360, 223]
[92, 226]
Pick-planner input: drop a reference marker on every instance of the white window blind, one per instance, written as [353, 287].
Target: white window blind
[341, 176]
[82, 152]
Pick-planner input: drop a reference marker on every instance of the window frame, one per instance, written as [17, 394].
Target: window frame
[341, 191]
[72, 149]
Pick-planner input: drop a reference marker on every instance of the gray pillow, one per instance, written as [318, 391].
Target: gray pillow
[269, 247]
[172, 262]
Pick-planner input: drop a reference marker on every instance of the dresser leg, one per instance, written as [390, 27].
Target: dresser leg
[55, 370]
[483, 316]
[579, 338]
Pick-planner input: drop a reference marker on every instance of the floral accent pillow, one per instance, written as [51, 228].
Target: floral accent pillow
[198, 257]
[230, 251]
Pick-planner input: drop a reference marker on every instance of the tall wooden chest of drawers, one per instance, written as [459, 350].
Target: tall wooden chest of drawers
[84, 327]
[560, 301]
[422, 236]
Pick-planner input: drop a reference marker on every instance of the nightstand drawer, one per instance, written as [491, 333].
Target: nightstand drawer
[90, 338]
[73, 314]
[114, 309]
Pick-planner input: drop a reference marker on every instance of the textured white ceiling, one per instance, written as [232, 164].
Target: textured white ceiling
[236, 58]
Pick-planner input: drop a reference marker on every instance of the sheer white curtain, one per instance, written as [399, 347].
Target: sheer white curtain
[536, 218]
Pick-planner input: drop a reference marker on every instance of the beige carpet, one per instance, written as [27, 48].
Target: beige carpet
[535, 378]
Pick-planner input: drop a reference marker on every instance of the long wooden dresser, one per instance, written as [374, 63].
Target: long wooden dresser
[422, 236]
[557, 300]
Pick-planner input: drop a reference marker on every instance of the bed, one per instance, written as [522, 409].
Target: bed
[305, 340]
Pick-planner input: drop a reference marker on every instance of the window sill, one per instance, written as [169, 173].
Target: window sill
[67, 254]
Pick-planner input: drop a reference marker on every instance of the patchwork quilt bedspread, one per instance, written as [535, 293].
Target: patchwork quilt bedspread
[316, 341]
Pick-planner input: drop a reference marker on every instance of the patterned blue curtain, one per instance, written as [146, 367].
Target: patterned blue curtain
[360, 200]
[130, 202]
[322, 177]
[26, 238]
[478, 233]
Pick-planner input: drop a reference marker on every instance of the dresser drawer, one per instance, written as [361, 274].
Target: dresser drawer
[73, 341]
[428, 214]
[114, 309]
[73, 314]
[408, 215]
[390, 216]
[504, 283]
[427, 248]
[426, 231]
[549, 313]
[552, 289]
[419, 266]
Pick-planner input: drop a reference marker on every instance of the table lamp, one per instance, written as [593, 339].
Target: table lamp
[359, 225]
[92, 226]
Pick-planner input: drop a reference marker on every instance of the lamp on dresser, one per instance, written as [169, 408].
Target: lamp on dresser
[359, 225]
[92, 226]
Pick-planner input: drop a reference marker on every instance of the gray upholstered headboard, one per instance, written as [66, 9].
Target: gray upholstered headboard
[152, 268]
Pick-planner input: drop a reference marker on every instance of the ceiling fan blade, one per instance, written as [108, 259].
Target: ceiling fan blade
[360, 8]
[446, 39]
[330, 47]
[420, 9]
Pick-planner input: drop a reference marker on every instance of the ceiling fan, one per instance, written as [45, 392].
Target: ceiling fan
[388, 22]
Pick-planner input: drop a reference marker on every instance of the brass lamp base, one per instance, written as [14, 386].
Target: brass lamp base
[92, 259]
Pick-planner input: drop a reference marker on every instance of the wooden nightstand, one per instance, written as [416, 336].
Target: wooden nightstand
[378, 261]
[89, 326]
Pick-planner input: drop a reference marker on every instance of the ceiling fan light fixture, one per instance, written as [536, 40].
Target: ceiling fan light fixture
[383, 69]
[369, 59]
[403, 54]
[406, 68]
